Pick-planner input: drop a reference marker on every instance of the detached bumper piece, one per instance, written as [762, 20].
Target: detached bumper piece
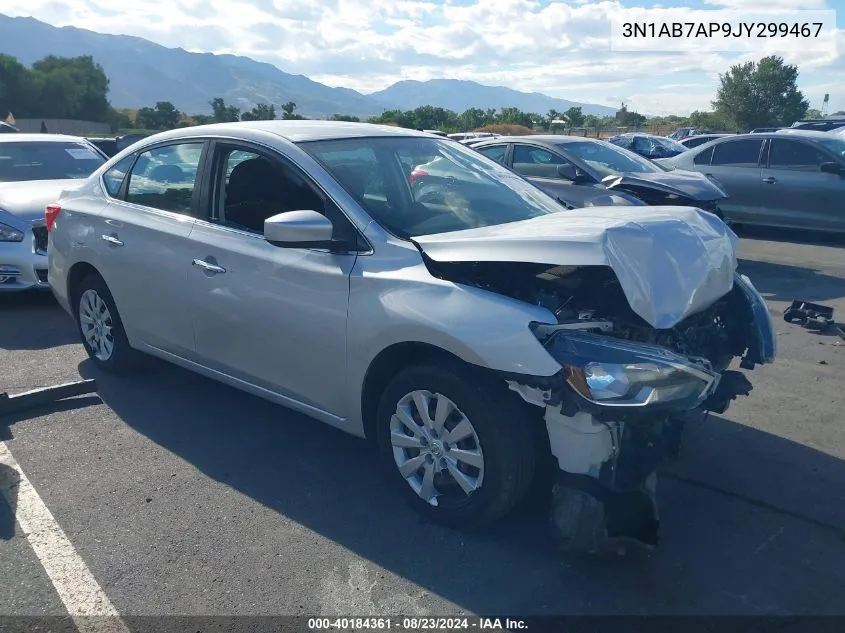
[813, 316]
[45, 395]
[600, 514]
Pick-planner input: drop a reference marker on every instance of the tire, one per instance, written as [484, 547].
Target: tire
[501, 433]
[113, 354]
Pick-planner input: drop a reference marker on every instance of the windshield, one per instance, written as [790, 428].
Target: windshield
[667, 144]
[416, 186]
[835, 145]
[46, 160]
[608, 159]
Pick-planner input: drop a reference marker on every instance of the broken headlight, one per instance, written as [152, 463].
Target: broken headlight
[613, 372]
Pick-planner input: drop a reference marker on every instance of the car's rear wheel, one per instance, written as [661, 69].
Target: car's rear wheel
[459, 447]
[101, 329]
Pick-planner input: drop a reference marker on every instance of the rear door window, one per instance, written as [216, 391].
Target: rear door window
[165, 177]
[495, 152]
[703, 158]
[741, 153]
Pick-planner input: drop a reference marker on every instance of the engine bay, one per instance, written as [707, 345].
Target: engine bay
[590, 298]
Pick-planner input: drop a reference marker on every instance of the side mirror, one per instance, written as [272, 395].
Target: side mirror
[567, 172]
[299, 229]
[832, 168]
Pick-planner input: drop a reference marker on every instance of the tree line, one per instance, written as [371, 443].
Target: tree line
[753, 94]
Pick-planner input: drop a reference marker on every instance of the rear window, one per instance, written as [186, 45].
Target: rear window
[47, 160]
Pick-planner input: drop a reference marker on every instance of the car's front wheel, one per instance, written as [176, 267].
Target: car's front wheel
[460, 446]
[101, 329]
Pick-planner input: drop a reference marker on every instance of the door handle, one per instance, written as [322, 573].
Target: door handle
[111, 240]
[770, 180]
[205, 266]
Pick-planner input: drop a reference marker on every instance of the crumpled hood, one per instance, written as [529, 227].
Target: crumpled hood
[670, 261]
[26, 200]
[689, 184]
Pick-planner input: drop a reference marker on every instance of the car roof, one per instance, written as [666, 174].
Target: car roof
[811, 134]
[542, 139]
[803, 134]
[644, 134]
[42, 138]
[294, 131]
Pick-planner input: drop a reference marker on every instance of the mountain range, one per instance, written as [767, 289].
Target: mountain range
[142, 73]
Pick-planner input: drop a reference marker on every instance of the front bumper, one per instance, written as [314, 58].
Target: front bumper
[23, 265]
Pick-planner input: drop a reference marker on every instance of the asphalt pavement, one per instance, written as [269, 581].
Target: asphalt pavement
[183, 496]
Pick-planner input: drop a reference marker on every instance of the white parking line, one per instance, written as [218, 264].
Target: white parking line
[84, 599]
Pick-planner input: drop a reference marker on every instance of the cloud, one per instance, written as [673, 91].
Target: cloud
[561, 48]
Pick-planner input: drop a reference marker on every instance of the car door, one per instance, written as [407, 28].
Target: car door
[142, 239]
[735, 164]
[540, 166]
[273, 317]
[796, 192]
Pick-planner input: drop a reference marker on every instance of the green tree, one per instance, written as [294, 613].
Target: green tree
[202, 119]
[474, 118]
[288, 112]
[70, 88]
[15, 87]
[574, 116]
[164, 116]
[119, 120]
[764, 94]
[839, 113]
[345, 117]
[515, 116]
[261, 112]
[633, 119]
[812, 113]
[709, 121]
[223, 113]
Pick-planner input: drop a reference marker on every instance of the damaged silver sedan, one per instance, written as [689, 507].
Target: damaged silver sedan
[474, 334]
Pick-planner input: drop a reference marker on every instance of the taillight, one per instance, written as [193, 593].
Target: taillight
[416, 174]
[51, 212]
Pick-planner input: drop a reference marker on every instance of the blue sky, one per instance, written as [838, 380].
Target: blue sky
[559, 47]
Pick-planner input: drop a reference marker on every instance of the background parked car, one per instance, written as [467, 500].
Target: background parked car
[700, 139]
[582, 172]
[648, 145]
[794, 180]
[818, 125]
[683, 132]
[106, 145]
[34, 170]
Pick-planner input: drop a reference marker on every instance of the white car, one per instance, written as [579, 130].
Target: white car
[34, 170]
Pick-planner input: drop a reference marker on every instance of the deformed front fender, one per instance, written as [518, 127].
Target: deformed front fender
[762, 347]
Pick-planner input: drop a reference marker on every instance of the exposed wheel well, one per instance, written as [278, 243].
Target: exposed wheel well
[78, 272]
[385, 366]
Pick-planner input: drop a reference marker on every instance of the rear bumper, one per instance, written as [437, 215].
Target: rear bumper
[23, 265]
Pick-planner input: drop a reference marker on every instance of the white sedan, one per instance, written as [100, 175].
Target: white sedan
[34, 171]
